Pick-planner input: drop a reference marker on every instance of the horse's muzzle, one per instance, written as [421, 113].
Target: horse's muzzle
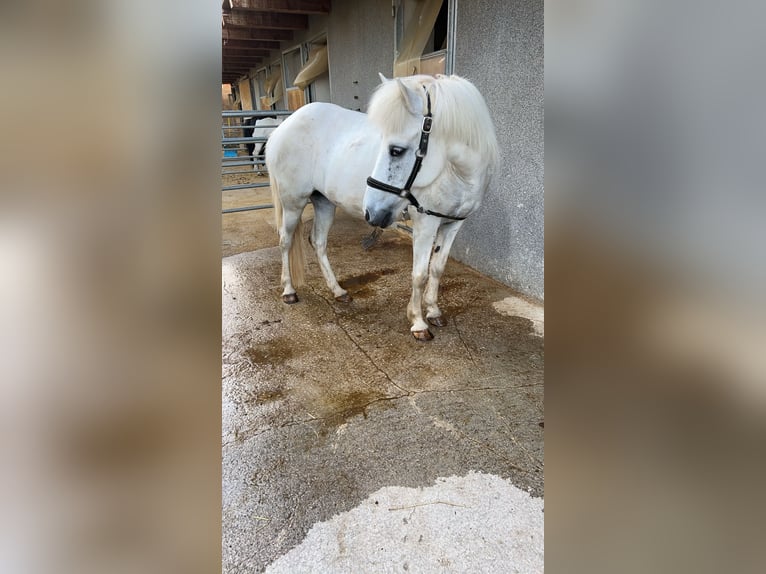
[379, 219]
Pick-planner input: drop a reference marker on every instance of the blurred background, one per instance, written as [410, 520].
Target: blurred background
[656, 275]
[110, 298]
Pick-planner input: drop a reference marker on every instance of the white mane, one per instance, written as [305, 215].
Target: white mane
[460, 113]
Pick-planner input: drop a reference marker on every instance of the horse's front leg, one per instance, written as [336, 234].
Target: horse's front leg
[424, 230]
[444, 239]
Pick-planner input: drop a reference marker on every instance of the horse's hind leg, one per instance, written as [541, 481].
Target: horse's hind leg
[258, 164]
[290, 219]
[442, 246]
[324, 215]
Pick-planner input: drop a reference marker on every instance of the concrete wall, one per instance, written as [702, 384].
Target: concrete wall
[499, 47]
[360, 38]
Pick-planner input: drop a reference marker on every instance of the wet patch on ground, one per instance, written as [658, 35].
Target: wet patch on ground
[274, 352]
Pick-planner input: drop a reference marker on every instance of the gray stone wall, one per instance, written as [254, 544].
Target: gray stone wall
[499, 47]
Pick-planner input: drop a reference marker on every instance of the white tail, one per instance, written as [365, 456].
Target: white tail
[297, 254]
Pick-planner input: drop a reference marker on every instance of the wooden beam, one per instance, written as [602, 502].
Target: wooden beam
[266, 20]
[257, 34]
[251, 44]
[246, 50]
[243, 52]
[228, 66]
[241, 64]
[285, 6]
[240, 61]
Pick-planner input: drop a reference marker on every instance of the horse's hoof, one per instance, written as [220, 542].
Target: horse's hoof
[437, 321]
[290, 298]
[345, 298]
[424, 335]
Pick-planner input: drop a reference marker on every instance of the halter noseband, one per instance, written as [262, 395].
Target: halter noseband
[420, 153]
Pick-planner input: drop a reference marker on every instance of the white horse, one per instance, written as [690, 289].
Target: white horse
[261, 128]
[426, 147]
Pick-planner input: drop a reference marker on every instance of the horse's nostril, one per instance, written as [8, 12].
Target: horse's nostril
[366, 215]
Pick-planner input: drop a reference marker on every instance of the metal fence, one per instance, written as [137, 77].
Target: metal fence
[233, 120]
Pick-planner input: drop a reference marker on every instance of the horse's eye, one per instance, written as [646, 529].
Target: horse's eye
[396, 151]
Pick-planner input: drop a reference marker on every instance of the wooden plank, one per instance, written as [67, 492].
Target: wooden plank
[251, 44]
[246, 50]
[241, 52]
[257, 34]
[241, 63]
[275, 21]
[285, 6]
[241, 67]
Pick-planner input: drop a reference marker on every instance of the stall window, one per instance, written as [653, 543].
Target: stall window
[260, 83]
[272, 87]
[254, 93]
[424, 37]
[292, 62]
[244, 94]
[314, 76]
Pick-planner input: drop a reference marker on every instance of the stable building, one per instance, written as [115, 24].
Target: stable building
[281, 54]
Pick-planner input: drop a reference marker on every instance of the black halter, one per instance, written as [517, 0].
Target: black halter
[420, 153]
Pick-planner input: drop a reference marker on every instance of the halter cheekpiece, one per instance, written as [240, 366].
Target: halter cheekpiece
[420, 153]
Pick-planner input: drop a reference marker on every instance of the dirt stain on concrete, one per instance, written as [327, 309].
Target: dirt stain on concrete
[269, 396]
[277, 351]
[365, 278]
[336, 409]
[359, 285]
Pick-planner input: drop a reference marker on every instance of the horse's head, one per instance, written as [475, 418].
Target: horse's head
[398, 109]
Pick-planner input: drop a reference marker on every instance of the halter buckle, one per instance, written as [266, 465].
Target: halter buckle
[427, 122]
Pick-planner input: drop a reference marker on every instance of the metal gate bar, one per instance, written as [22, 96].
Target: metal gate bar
[244, 186]
[229, 143]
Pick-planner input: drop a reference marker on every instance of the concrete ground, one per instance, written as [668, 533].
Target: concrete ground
[350, 447]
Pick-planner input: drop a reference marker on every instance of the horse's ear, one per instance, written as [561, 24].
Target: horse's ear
[412, 99]
[383, 79]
